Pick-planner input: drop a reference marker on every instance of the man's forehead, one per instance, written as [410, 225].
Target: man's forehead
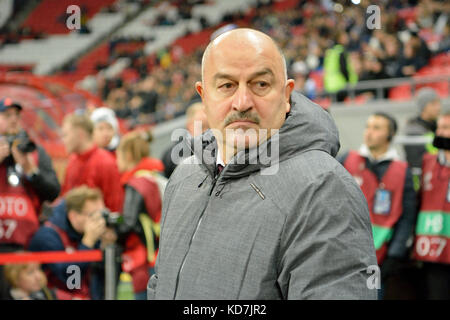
[237, 43]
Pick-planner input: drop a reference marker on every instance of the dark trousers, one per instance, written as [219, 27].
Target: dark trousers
[437, 281]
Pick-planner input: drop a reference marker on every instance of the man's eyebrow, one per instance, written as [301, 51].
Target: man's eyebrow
[263, 72]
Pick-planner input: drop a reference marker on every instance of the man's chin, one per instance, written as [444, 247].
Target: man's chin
[242, 142]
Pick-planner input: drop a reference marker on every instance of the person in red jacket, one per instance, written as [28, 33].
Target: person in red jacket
[143, 184]
[88, 164]
[432, 236]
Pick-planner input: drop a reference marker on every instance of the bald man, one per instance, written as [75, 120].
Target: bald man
[195, 115]
[239, 224]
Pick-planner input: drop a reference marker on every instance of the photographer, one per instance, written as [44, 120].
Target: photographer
[27, 179]
[77, 223]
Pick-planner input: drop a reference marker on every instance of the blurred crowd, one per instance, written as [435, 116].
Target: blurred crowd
[162, 87]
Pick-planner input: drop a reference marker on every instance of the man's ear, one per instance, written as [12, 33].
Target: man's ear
[70, 215]
[199, 88]
[290, 83]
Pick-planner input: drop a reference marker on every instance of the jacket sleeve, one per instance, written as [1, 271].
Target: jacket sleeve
[47, 239]
[405, 225]
[327, 244]
[45, 183]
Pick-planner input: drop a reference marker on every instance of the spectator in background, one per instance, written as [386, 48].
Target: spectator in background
[429, 106]
[76, 224]
[391, 58]
[88, 164]
[338, 71]
[28, 282]
[388, 187]
[106, 129]
[432, 229]
[410, 61]
[373, 70]
[195, 116]
[144, 187]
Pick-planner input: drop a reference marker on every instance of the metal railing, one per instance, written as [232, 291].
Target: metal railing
[380, 85]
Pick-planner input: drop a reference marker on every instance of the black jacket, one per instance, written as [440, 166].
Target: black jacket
[417, 127]
[45, 182]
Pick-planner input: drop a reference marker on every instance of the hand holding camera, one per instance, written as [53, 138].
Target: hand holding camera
[20, 146]
[94, 228]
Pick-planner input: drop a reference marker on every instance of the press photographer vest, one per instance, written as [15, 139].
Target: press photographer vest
[19, 207]
[392, 183]
[138, 257]
[433, 222]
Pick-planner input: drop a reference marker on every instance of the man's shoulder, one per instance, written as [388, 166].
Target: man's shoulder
[306, 169]
[415, 126]
[44, 238]
[185, 169]
[312, 164]
[103, 157]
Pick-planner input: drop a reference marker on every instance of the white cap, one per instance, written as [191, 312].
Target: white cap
[105, 114]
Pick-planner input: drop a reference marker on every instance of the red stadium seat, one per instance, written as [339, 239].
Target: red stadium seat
[400, 93]
[49, 16]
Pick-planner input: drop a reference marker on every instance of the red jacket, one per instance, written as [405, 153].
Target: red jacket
[95, 168]
[145, 164]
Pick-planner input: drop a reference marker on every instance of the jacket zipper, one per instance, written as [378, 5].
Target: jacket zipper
[192, 238]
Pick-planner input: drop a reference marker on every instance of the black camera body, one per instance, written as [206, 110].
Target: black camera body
[24, 144]
[112, 219]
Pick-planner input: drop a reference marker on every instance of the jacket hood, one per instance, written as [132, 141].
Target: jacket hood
[59, 218]
[307, 127]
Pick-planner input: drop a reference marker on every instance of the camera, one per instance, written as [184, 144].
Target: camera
[112, 219]
[24, 144]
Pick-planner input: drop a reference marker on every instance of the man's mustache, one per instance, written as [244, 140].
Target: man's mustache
[241, 116]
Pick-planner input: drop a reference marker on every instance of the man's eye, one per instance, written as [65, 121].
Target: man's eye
[226, 86]
[262, 84]
[260, 87]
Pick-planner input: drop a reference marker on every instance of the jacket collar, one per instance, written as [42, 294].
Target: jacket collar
[87, 154]
[390, 155]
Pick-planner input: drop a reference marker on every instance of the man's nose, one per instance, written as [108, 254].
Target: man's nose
[242, 100]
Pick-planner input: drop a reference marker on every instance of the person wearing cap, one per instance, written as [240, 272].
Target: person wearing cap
[26, 181]
[27, 178]
[106, 129]
[429, 107]
[387, 184]
[432, 236]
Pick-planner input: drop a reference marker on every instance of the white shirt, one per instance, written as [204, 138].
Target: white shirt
[219, 159]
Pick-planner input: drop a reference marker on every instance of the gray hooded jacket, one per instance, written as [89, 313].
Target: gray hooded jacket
[302, 233]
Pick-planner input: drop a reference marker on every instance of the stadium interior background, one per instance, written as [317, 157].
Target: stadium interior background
[142, 57]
